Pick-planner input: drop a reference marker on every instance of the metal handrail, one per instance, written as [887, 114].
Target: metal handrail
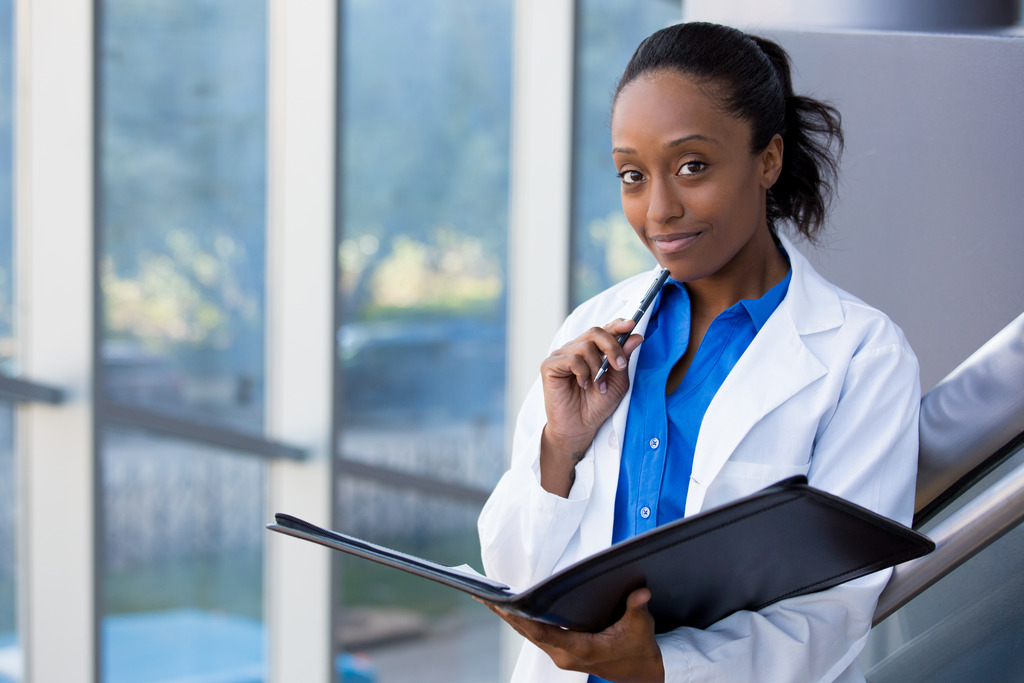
[425, 485]
[965, 533]
[971, 423]
[968, 480]
[189, 429]
[974, 411]
[19, 390]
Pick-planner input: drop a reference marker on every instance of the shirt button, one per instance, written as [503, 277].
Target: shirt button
[654, 443]
[645, 512]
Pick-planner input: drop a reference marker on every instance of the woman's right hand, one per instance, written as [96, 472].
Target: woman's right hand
[576, 408]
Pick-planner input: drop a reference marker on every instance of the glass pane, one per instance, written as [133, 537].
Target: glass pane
[7, 340]
[424, 196]
[182, 194]
[424, 185]
[605, 249]
[968, 626]
[399, 627]
[183, 562]
[10, 650]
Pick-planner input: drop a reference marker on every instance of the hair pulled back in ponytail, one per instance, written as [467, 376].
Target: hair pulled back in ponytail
[750, 78]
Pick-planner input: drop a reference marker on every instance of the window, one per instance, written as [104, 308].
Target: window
[10, 657]
[183, 558]
[182, 147]
[604, 247]
[425, 101]
[10, 653]
[182, 204]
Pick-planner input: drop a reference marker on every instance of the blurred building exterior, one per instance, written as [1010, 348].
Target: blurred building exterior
[306, 257]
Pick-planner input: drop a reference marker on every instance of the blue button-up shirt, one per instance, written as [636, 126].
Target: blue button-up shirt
[661, 430]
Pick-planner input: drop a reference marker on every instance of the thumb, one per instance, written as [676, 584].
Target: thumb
[637, 600]
[637, 617]
[631, 343]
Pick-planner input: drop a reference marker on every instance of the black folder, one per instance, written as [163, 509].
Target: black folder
[786, 540]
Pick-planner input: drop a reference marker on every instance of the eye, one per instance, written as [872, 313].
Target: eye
[631, 177]
[692, 168]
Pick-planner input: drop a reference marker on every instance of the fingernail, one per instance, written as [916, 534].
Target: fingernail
[586, 383]
[621, 362]
[603, 387]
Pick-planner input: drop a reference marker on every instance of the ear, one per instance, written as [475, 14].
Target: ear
[771, 161]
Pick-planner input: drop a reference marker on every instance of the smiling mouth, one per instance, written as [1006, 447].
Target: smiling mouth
[670, 244]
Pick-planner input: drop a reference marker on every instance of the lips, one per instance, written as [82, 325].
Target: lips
[671, 244]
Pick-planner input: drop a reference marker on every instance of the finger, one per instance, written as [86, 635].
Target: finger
[570, 362]
[638, 599]
[620, 326]
[520, 624]
[638, 616]
[544, 636]
[509, 618]
[631, 344]
[536, 631]
[607, 341]
[589, 351]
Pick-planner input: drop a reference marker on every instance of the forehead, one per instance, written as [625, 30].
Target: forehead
[671, 105]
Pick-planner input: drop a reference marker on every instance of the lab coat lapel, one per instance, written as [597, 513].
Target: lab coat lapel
[630, 300]
[597, 528]
[775, 367]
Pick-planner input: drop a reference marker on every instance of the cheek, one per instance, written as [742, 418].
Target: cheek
[635, 210]
[723, 204]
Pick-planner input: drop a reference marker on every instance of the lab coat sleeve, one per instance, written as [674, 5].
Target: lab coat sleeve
[866, 452]
[523, 528]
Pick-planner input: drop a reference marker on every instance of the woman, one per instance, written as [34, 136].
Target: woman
[752, 369]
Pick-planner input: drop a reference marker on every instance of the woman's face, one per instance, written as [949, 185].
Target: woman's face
[691, 189]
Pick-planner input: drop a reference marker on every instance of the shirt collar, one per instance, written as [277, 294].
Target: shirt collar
[759, 310]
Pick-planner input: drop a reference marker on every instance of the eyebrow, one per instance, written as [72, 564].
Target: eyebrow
[670, 145]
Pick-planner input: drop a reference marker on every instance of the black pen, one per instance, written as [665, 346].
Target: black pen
[644, 305]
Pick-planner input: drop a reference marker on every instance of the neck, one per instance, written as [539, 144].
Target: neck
[758, 267]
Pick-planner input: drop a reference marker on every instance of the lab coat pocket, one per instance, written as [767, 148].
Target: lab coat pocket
[737, 479]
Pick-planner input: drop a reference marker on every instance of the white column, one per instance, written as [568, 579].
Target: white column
[55, 261]
[300, 334]
[540, 202]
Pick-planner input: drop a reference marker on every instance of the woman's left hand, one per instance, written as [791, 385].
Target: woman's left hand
[625, 652]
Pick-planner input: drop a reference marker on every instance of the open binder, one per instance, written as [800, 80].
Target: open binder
[786, 540]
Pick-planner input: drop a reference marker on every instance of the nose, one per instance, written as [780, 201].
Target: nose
[665, 202]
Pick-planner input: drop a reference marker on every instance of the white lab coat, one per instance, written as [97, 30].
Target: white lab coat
[828, 388]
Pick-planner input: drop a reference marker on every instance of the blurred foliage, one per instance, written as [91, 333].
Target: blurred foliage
[425, 155]
[182, 174]
[621, 253]
[424, 182]
[449, 272]
[184, 295]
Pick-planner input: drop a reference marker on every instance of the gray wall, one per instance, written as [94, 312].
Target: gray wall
[928, 225]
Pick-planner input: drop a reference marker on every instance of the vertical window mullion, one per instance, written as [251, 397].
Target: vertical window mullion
[540, 202]
[540, 205]
[300, 327]
[55, 253]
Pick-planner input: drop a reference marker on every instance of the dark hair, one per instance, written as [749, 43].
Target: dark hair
[750, 78]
